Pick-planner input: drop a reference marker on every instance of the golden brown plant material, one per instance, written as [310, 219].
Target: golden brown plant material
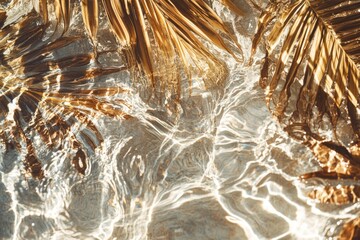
[351, 230]
[313, 88]
[336, 195]
[48, 96]
[157, 35]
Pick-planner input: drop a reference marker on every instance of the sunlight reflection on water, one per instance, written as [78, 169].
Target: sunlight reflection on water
[222, 170]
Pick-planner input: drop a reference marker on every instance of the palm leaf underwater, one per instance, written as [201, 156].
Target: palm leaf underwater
[48, 94]
[52, 95]
[317, 99]
[153, 35]
[310, 72]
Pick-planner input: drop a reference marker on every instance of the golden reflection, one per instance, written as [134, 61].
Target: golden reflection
[320, 47]
[160, 38]
[48, 95]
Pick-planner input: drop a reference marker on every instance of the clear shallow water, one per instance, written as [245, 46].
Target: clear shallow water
[221, 169]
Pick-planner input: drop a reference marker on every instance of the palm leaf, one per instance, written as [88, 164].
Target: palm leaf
[90, 13]
[56, 98]
[313, 89]
[339, 195]
[351, 230]
[154, 35]
[336, 195]
[2, 17]
[318, 35]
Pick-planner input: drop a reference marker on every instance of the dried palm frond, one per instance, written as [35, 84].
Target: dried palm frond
[314, 88]
[2, 17]
[233, 7]
[321, 39]
[336, 195]
[351, 230]
[55, 98]
[156, 34]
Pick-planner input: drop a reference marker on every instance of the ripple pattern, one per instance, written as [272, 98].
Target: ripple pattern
[221, 168]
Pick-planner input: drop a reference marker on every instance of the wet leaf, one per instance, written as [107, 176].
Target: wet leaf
[55, 98]
[314, 89]
[154, 34]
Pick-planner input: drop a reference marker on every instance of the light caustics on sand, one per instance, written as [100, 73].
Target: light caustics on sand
[104, 142]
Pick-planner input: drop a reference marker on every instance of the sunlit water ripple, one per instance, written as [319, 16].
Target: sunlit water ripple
[223, 169]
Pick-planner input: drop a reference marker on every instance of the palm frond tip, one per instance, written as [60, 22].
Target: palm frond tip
[154, 33]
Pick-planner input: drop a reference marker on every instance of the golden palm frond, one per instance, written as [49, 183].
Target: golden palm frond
[336, 194]
[2, 17]
[318, 34]
[326, 40]
[351, 230]
[156, 34]
[314, 87]
[54, 97]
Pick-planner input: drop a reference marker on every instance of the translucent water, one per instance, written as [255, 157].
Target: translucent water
[220, 168]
